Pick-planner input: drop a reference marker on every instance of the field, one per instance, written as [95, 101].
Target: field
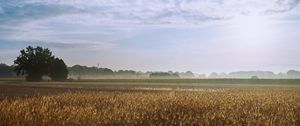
[137, 102]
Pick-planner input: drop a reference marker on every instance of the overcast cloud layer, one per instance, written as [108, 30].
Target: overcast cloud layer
[111, 31]
[142, 12]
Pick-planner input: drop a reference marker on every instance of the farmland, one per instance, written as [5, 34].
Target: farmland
[149, 102]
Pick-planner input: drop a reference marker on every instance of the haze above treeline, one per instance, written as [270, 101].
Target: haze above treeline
[85, 72]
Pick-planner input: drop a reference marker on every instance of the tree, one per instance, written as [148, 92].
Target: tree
[59, 71]
[254, 77]
[38, 62]
[6, 71]
[78, 70]
[33, 62]
[293, 74]
[187, 74]
[164, 75]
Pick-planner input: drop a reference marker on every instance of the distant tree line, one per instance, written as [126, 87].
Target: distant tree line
[36, 62]
[33, 63]
[258, 74]
[85, 71]
[78, 71]
[164, 75]
[6, 71]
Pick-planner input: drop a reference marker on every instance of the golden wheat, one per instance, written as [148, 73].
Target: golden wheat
[229, 107]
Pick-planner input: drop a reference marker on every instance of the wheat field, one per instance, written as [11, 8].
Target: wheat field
[234, 106]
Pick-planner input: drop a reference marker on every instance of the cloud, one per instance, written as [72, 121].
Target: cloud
[107, 21]
[13, 14]
[140, 12]
[9, 45]
[283, 6]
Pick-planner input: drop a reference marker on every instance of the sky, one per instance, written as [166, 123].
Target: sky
[157, 35]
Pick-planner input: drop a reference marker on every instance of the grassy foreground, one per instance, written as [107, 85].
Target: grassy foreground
[235, 106]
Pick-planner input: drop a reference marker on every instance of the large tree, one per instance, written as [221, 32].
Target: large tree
[35, 63]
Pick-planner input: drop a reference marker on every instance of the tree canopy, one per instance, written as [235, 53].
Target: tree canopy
[38, 62]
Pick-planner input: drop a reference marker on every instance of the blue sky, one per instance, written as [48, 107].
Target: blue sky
[157, 35]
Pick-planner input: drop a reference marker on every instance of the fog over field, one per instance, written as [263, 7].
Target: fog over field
[180, 35]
